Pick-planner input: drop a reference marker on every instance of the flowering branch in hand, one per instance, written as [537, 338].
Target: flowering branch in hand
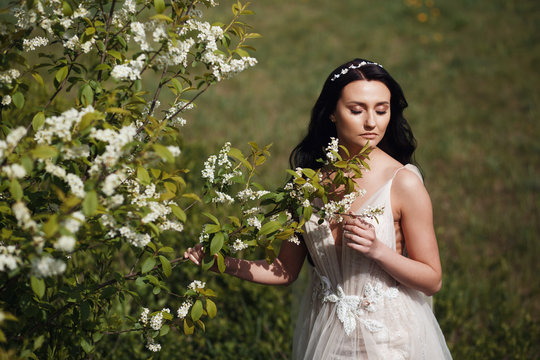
[266, 216]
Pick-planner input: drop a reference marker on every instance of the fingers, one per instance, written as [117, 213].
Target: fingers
[194, 254]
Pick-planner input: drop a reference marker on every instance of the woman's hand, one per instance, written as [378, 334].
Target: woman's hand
[362, 237]
[195, 254]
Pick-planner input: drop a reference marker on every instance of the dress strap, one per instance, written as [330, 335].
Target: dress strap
[410, 167]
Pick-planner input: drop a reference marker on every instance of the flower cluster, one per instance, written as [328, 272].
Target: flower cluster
[60, 127]
[332, 209]
[74, 181]
[332, 149]
[130, 70]
[47, 266]
[9, 258]
[183, 310]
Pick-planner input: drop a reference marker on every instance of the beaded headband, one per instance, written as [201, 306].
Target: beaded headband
[352, 66]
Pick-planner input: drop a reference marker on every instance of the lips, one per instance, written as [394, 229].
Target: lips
[369, 135]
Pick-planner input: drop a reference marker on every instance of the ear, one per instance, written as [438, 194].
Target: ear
[332, 118]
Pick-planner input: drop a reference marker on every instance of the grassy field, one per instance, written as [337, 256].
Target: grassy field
[469, 71]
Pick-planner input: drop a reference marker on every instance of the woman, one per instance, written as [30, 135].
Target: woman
[368, 296]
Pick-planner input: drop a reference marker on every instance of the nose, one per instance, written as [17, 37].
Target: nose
[369, 123]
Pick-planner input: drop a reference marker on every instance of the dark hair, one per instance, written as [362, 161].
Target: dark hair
[398, 141]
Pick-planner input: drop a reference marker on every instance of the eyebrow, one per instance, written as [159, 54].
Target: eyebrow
[364, 104]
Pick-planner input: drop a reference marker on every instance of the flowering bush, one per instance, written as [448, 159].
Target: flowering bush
[88, 182]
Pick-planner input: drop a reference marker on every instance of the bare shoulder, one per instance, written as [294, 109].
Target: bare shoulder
[408, 191]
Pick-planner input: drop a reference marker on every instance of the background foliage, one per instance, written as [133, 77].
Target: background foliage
[469, 72]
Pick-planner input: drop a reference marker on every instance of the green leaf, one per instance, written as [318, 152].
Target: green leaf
[307, 212]
[44, 152]
[178, 212]
[87, 347]
[16, 189]
[90, 31]
[237, 154]
[38, 120]
[38, 286]
[66, 9]
[102, 67]
[164, 153]
[308, 172]
[87, 95]
[159, 5]
[90, 203]
[166, 265]
[164, 330]
[166, 249]
[269, 227]
[38, 79]
[212, 228]
[161, 17]
[148, 265]
[221, 263]
[189, 328]
[207, 265]
[18, 100]
[115, 54]
[61, 74]
[197, 310]
[211, 308]
[217, 243]
[211, 217]
[143, 175]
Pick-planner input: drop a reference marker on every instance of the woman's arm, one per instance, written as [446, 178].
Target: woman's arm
[422, 269]
[282, 271]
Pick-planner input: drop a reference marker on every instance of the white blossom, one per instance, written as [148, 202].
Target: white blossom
[175, 150]
[139, 35]
[15, 136]
[6, 77]
[14, 171]
[23, 216]
[332, 147]
[74, 222]
[196, 284]
[209, 168]
[130, 70]
[111, 182]
[65, 243]
[9, 258]
[32, 44]
[239, 245]
[76, 185]
[183, 310]
[171, 225]
[254, 221]
[47, 266]
[61, 126]
[222, 198]
[136, 239]
[72, 43]
[144, 316]
[113, 151]
[156, 321]
[294, 239]
[152, 345]
[6, 100]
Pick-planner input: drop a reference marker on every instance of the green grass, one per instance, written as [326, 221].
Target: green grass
[470, 76]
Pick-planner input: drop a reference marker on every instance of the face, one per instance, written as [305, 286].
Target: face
[362, 114]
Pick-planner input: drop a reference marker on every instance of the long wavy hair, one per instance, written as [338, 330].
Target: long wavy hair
[398, 140]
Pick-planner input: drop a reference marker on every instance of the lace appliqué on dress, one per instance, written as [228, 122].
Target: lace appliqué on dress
[353, 308]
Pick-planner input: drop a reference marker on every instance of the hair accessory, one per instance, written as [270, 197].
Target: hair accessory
[352, 66]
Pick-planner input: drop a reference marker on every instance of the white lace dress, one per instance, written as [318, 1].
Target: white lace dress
[353, 309]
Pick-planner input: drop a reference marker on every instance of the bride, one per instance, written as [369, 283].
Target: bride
[371, 281]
